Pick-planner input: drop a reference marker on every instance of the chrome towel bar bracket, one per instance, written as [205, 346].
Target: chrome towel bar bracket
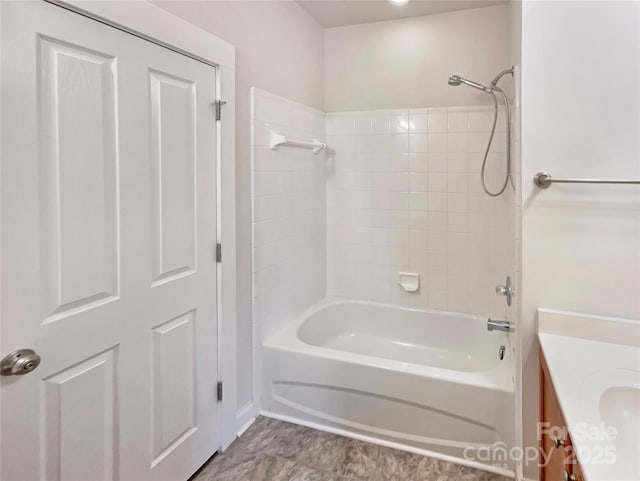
[544, 180]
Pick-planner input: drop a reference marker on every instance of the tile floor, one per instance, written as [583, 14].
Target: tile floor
[272, 450]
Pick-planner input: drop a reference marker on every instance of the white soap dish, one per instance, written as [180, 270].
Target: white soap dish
[409, 281]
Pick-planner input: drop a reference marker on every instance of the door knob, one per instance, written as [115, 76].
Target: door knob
[19, 362]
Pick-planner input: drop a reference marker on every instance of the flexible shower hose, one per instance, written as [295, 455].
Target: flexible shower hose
[507, 177]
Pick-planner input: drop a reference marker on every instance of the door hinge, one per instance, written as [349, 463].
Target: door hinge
[218, 252]
[218, 105]
[219, 390]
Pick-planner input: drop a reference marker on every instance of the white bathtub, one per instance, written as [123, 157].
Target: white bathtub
[428, 381]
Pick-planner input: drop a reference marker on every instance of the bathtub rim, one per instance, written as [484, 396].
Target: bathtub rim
[500, 377]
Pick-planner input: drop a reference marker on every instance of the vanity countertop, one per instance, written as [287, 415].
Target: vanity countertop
[594, 364]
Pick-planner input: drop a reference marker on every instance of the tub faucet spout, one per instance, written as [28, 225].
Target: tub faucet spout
[498, 325]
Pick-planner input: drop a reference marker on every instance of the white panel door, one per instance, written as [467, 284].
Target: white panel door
[107, 252]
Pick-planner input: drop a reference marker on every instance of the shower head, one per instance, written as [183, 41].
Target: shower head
[456, 80]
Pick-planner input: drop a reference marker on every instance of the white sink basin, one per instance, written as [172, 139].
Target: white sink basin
[617, 392]
[618, 395]
[595, 366]
[620, 409]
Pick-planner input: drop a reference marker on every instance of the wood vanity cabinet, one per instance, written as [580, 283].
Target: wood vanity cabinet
[577, 472]
[555, 442]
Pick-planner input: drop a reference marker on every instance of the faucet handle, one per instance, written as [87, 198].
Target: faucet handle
[507, 290]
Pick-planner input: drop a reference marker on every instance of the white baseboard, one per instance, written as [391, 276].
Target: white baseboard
[245, 417]
[242, 429]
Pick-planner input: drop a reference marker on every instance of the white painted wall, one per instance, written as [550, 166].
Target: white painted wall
[280, 48]
[580, 118]
[406, 63]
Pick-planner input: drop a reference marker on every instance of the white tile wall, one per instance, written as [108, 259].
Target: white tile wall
[399, 191]
[404, 194]
[288, 217]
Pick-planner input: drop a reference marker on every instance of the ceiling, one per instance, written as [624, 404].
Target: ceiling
[337, 13]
